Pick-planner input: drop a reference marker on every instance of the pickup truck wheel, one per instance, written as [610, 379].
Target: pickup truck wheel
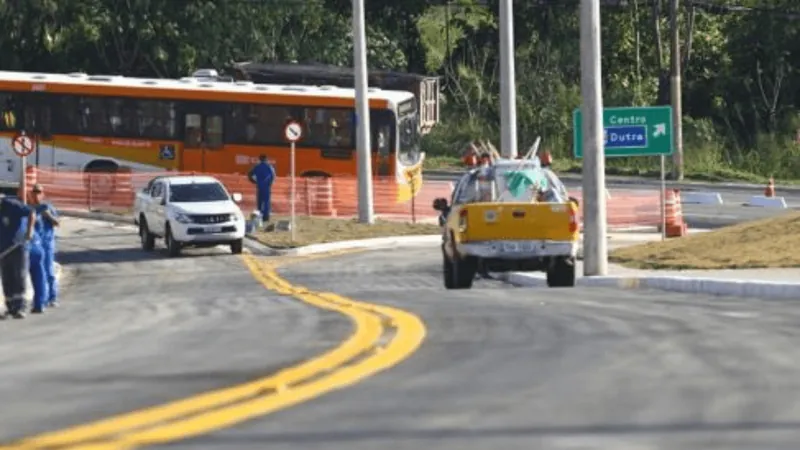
[236, 246]
[173, 246]
[147, 238]
[459, 273]
[562, 273]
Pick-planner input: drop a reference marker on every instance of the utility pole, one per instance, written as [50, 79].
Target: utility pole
[676, 91]
[366, 213]
[508, 87]
[595, 250]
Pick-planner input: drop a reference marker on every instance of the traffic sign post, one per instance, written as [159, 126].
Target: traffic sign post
[634, 131]
[293, 133]
[23, 147]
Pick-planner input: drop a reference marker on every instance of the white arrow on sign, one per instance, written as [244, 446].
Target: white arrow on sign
[661, 130]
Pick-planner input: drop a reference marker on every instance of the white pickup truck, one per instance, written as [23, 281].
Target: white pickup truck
[185, 211]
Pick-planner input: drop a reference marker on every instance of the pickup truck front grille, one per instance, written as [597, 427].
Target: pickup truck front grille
[210, 218]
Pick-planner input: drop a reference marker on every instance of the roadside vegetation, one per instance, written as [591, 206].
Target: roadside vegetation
[741, 67]
[768, 243]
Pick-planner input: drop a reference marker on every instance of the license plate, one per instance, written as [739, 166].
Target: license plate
[214, 229]
[510, 246]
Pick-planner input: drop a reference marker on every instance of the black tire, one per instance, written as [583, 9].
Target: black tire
[236, 246]
[459, 273]
[562, 273]
[145, 236]
[173, 246]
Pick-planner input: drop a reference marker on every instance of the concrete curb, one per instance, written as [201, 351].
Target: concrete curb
[701, 198]
[767, 202]
[687, 285]
[367, 244]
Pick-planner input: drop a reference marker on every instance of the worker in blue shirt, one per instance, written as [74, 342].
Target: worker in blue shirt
[46, 222]
[263, 175]
[17, 222]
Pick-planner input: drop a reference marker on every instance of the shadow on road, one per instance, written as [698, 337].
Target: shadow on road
[492, 433]
[123, 255]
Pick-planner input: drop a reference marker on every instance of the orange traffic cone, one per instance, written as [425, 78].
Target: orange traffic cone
[770, 190]
[675, 225]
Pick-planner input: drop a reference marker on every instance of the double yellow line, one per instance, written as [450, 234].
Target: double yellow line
[358, 357]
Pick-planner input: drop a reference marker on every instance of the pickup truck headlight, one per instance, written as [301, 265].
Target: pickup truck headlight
[181, 218]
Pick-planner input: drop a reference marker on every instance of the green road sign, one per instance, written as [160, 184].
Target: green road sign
[632, 131]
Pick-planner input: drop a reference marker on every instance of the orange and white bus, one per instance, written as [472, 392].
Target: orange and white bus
[102, 123]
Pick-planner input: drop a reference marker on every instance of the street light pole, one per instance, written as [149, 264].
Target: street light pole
[366, 213]
[595, 251]
[676, 91]
[508, 88]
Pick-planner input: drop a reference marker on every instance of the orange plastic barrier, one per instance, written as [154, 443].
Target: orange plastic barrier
[327, 197]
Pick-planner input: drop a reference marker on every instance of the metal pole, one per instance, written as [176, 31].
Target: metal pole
[23, 181]
[293, 189]
[366, 212]
[595, 251]
[676, 91]
[508, 88]
[663, 198]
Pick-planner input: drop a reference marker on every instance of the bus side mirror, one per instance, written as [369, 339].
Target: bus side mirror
[575, 200]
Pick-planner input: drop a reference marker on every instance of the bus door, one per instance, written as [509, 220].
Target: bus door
[37, 123]
[383, 138]
[203, 131]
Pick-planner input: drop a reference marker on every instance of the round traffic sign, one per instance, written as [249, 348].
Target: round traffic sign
[23, 145]
[293, 132]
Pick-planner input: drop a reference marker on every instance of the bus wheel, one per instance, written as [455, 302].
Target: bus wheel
[101, 179]
[315, 174]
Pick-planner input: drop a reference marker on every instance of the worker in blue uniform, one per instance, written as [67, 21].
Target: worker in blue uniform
[46, 223]
[17, 222]
[263, 175]
[36, 268]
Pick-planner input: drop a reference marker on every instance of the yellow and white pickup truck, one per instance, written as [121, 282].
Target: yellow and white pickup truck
[510, 216]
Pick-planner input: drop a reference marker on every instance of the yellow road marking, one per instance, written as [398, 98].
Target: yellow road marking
[222, 408]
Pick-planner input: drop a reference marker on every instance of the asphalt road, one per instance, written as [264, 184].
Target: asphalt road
[731, 212]
[139, 329]
[512, 368]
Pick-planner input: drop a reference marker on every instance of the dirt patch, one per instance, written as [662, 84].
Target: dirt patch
[768, 243]
[318, 230]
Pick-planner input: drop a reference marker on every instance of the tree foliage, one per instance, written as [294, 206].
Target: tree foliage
[741, 68]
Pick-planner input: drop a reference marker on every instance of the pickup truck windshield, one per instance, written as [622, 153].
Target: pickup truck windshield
[197, 192]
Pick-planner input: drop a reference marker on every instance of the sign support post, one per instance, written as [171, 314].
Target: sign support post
[663, 199]
[293, 132]
[23, 147]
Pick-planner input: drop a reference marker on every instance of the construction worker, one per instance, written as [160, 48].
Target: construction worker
[47, 221]
[36, 265]
[17, 222]
[263, 175]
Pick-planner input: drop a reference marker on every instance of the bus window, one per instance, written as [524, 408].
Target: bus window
[213, 132]
[194, 131]
[330, 127]
[11, 109]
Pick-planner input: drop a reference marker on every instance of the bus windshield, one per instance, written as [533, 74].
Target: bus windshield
[409, 139]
